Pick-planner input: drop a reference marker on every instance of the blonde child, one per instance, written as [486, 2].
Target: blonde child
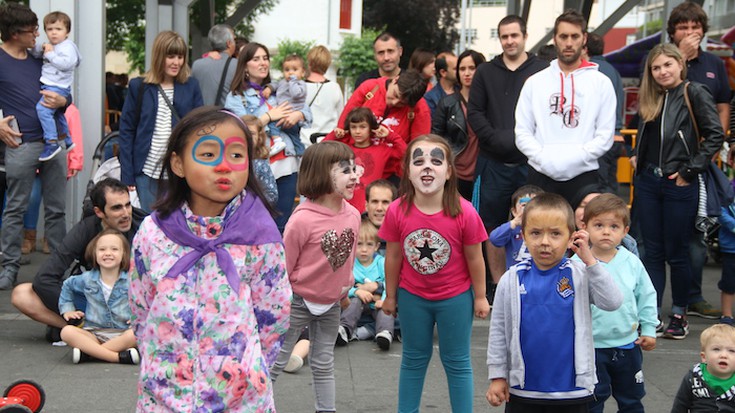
[709, 386]
[366, 296]
[320, 253]
[208, 287]
[508, 235]
[378, 151]
[60, 58]
[434, 272]
[106, 334]
[536, 365]
[261, 166]
[618, 344]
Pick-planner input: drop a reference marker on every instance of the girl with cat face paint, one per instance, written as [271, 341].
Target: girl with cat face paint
[434, 272]
[320, 242]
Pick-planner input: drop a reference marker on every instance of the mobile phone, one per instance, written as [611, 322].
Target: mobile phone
[13, 125]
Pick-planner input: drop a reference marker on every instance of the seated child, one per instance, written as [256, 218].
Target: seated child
[727, 252]
[369, 291]
[60, 58]
[508, 235]
[710, 385]
[618, 357]
[378, 152]
[548, 287]
[291, 89]
[261, 166]
[106, 334]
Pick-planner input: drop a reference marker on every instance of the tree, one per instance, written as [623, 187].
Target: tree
[356, 54]
[430, 24]
[126, 24]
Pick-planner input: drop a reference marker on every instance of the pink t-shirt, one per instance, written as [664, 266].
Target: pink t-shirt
[434, 266]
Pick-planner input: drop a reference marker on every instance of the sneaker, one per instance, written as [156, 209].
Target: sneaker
[727, 320]
[49, 151]
[7, 279]
[53, 334]
[384, 339]
[294, 364]
[343, 336]
[129, 356]
[678, 327]
[77, 356]
[705, 310]
[660, 328]
[277, 146]
[68, 143]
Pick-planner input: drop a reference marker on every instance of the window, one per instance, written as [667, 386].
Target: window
[345, 14]
[490, 3]
[493, 33]
[472, 34]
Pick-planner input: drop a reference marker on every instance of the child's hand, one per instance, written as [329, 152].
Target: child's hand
[339, 133]
[646, 343]
[73, 315]
[498, 392]
[381, 132]
[389, 306]
[266, 92]
[516, 221]
[482, 307]
[48, 48]
[364, 296]
[580, 245]
[370, 286]
[378, 304]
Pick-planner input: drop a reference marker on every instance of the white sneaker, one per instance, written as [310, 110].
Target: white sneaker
[384, 339]
[277, 146]
[342, 337]
[294, 364]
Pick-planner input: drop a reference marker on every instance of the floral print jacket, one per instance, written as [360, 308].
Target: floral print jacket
[205, 347]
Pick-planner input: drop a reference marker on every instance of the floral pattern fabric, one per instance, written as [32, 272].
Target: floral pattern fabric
[205, 347]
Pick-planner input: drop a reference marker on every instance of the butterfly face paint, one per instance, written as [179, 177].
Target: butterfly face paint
[210, 150]
[428, 170]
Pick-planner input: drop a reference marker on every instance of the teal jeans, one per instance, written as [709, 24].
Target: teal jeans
[453, 320]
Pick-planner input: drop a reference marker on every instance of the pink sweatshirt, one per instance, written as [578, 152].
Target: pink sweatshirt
[320, 251]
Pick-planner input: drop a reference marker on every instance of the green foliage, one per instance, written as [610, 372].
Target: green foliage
[651, 27]
[356, 53]
[288, 47]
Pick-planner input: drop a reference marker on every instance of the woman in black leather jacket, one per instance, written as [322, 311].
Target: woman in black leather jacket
[669, 157]
[450, 122]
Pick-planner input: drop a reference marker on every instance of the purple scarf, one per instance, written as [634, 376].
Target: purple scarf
[249, 224]
[259, 89]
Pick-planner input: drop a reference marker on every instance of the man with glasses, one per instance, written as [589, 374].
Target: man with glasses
[22, 136]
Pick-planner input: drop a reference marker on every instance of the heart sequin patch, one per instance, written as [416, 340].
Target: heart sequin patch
[337, 249]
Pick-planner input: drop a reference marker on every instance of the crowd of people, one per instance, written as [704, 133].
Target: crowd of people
[453, 189]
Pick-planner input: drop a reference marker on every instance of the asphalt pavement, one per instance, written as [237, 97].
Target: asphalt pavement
[366, 377]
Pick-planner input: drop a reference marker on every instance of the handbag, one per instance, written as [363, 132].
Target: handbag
[715, 188]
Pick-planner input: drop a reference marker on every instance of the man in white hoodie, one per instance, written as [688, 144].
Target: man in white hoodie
[565, 117]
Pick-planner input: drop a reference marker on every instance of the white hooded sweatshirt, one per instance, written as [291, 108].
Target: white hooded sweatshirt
[565, 123]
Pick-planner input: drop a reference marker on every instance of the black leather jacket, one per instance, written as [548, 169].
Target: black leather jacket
[450, 123]
[681, 150]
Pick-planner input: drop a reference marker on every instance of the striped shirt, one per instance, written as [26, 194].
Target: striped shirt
[161, 133]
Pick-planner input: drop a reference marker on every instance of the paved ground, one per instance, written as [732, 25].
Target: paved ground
[367, 378]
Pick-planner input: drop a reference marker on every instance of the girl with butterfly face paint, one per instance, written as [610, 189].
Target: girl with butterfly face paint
[434, 272]
[320, 242]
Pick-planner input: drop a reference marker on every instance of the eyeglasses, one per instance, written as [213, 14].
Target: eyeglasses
[34, 30]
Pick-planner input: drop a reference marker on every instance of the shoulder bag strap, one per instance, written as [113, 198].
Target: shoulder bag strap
[369, 95]
[168, 102]
[218, 99]
[321, 85]
[691, 112]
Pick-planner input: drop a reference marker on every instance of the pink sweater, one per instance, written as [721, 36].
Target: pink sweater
[320, 251]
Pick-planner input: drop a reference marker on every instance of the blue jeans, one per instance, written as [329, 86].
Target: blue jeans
[147, 189]
[286, 195]
[697, 257]
[666, 213]
[51, 118]
[291, 137]
[21, 164]
[498, 181]
[30, 220]
[619, 372]
[322, 336]
[453, 320]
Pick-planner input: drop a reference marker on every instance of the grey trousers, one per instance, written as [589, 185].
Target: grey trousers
[20, 170]
[351, 315]
[322, 336]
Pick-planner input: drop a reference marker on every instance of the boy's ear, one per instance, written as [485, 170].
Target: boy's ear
[625, 232]
[177, 165]
[701, 354]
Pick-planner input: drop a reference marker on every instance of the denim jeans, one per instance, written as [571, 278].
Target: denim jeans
[51, 118]
[147, 189]
[322, 336]
[21, 164]
[30, 219]
[666, 222]
[351, 316]
[453, 320]
[619, 372]
[286, 195]
[697, 257]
